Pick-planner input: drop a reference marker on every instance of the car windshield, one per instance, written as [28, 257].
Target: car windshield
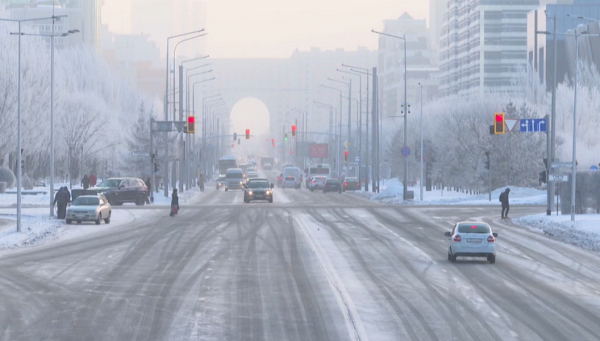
[234, 175]
[258, 184]
[86, 201]
[473, 228]
[110, 183]
[330, 181]
[351, 179]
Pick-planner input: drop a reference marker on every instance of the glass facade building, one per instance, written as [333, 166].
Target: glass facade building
[540, 47]
[483, 45]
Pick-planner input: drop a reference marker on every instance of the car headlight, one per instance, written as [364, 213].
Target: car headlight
[240, 182]
[267, 192]
[249, 192]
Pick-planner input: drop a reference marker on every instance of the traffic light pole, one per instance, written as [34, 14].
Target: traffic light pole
[181, 141]
[152, 160]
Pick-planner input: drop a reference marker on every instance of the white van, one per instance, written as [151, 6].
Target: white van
[234, 179]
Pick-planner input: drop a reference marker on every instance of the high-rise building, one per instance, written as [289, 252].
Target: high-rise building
[540, 47]
[437, 9]
[91, 22]
[161, 19]
[391, 64]
[483, 45]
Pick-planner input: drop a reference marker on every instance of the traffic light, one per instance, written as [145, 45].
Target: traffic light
[247, 134]
[499, 123]
[235, 136]
[285, 137]
[273, 142]
[346, 156]
[191, 125]
[293, 131]
[156, 169]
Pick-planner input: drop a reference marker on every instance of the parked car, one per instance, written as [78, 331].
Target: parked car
[122, 190]
[89, 208]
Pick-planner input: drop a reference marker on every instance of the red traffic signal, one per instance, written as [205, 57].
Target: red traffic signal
[247, 134]
[191, 125]
[346, 156]
[499, 123]
[293, 131]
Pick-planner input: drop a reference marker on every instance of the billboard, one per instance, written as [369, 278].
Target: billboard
[318, 150]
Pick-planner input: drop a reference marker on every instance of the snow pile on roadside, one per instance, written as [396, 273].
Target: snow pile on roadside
[34, 228]
[392, 194]
[584, 232]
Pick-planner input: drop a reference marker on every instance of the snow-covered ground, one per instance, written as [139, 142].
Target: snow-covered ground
[583, 232]
[37, 226]
[391, 193]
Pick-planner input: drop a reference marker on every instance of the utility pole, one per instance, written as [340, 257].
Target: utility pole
[181, 141]
[549, 183]
[375, 139]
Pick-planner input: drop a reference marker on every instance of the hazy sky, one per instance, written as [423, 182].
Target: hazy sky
[275, 28]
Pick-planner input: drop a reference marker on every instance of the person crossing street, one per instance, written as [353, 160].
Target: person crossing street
[505, 204]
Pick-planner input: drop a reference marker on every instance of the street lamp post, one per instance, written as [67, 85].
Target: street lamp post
[422, 151]
[405, 178]
[339, 164]
[365, 71]
[19, 168]
[349, 137]
[359, 122]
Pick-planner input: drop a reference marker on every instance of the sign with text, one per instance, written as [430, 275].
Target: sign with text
[318, 150]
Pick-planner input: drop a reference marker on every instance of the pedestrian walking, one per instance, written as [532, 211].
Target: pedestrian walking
[61, 199]
[201, 182]
[174, 203]
[505, 205]
[85, 182]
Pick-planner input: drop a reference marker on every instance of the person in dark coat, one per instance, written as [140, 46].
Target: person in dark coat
[61, 200]
[149, 185]
[174, 203]
[504, 201]
[85, 182]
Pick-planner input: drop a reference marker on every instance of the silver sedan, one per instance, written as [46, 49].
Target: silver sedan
[89, 208]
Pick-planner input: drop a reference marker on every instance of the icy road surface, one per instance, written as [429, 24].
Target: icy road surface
[310, 266]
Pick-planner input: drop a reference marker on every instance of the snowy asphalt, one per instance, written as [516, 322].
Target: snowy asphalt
[310, 266]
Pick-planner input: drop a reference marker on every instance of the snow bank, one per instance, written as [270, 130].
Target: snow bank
[37, 226]
[391, 193]
[584, 232]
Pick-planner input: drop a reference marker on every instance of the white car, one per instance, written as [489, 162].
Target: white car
[472, 239]
[89, 208]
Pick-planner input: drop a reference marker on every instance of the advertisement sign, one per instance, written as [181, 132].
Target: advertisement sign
[318, 150]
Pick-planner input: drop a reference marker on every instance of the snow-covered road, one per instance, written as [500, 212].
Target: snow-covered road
[310, 266]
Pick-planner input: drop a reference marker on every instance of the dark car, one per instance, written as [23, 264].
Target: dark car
[122, 190]
[351, 184]
[332, 185]
[258, 189]
[220, 182]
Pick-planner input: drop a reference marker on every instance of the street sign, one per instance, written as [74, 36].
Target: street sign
[532, 125]
[558, 178]
[405, 151]
[356, 158]
[561, 165]
[140, 154]
[510, 123]
[594, 168]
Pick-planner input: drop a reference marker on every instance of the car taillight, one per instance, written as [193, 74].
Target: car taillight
[491, 239]
[345, 184]
[457, 238]
[278, 178]
[357, 184]
[313, 181]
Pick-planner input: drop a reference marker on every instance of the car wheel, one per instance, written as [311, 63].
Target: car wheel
[271, 201]
[453, 258]
[449, 257]
[226, 189]
[492, 259]
[98, 219]
[69, 221]
[140, 201]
